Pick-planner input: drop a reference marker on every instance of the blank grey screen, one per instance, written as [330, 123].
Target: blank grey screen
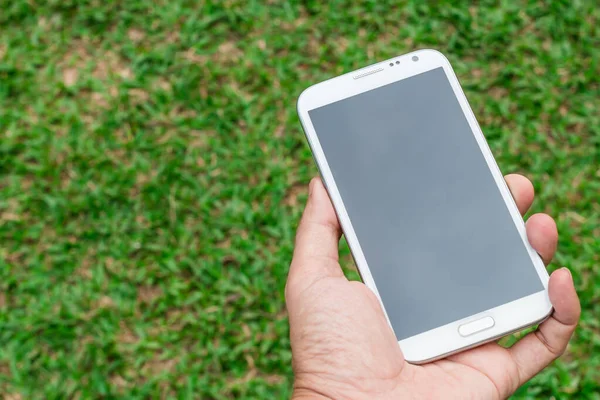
[431, 222]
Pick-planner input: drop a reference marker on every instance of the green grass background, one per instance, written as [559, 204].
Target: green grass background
[153, 170]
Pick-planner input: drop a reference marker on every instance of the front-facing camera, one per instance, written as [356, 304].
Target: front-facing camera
[415, 58]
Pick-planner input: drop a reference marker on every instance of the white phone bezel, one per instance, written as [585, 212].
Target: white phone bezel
[443, 340]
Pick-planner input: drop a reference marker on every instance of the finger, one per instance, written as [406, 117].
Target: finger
[317, 238]
[539, 348]
[542, 235]
[521, 190]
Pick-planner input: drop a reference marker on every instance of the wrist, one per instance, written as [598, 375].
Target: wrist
[316, 387]
[301, 393]
[310, 387]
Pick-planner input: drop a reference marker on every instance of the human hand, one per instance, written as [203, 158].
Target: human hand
[343, 346]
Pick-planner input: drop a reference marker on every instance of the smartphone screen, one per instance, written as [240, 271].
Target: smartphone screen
[436, 233]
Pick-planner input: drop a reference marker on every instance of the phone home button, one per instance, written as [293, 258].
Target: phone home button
[473, 327]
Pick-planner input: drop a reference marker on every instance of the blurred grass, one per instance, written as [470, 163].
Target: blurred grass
[152, 172]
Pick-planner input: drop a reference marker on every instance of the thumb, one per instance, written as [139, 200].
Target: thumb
[316, 251]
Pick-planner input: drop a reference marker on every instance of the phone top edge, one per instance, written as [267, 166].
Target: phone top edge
[350, 75]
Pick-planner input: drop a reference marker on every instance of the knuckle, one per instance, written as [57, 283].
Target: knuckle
[555, 350]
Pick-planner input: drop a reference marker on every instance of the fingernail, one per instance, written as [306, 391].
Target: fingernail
[568, 270]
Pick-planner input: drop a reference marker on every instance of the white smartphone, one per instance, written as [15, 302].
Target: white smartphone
[429, 219]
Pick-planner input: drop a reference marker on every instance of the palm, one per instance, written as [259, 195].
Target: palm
[370, 355]
[343, 346]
